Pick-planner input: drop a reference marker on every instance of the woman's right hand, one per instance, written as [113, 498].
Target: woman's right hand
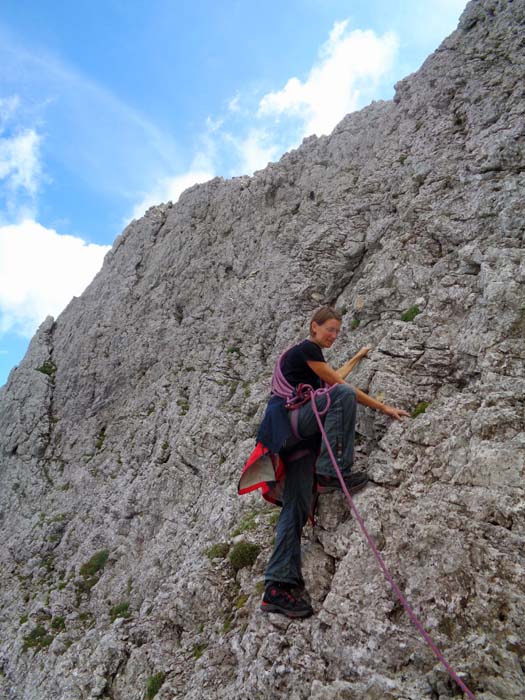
[395, 413]
[363, 352]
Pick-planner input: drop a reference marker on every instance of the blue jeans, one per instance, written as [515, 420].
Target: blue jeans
[285, 562]
[339, 424]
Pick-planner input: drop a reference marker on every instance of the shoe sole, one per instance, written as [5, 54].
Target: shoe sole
[294, 614]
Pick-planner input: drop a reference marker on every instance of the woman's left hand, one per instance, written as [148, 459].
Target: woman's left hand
[395, 413]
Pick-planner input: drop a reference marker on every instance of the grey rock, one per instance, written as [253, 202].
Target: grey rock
[123, 430]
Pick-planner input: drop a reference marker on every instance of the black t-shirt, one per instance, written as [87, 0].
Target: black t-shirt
[294, 366]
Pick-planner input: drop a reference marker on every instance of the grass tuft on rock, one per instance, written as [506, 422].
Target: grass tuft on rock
[120, 610]
[410, 313]
[241, 601]
[217, 551]
[198, 650]
[58, 624]
[420, 408]
[154, 684]
[48, 368]
[95, 564]
[39, 638]
[243, 554]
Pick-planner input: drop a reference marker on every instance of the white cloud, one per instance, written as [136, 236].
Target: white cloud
[169, 189]
[255, 150]
[213, 124]
[8, 106]
[233, 104]
[19, 161]
[40, 271]
[350, 67]
[20, 169]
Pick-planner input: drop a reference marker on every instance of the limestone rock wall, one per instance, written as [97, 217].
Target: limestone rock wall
[123, 431]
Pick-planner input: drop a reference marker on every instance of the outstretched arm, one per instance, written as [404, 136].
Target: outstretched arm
[396, 413]
[348, 366]
[330, 376]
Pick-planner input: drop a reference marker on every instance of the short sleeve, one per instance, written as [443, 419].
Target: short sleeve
[311, 352]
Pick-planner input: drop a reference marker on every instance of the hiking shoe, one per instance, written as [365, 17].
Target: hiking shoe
[299, 591]
[277, 599]
[353, 482]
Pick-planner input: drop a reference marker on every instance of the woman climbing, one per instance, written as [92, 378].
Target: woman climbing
[290, 458]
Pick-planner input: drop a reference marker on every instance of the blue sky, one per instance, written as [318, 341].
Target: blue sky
[108, 107]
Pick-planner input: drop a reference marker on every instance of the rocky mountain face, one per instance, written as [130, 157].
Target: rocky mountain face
[130, 567]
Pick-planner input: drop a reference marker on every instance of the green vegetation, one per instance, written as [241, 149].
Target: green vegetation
[184, 406]
[91, 572]
[24, 619]
[87, 618]
[99, 444]
[420, 408]
[154, 684]
[355, 323]
[58, 624]
[233, 350]
[274, 517]
[245, 525]
[37, 639]
[241, 601]
[198, 650]
[85, 586]
[120, 610]
[48, 563]
[217, 551]
[95, 564]
[411, 313]
[226, 627]
[48, 368]
[243, 554]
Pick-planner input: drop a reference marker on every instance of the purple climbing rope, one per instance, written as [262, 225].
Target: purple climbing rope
[428, 639]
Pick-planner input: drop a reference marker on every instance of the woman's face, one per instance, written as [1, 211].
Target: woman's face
[326, 333]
